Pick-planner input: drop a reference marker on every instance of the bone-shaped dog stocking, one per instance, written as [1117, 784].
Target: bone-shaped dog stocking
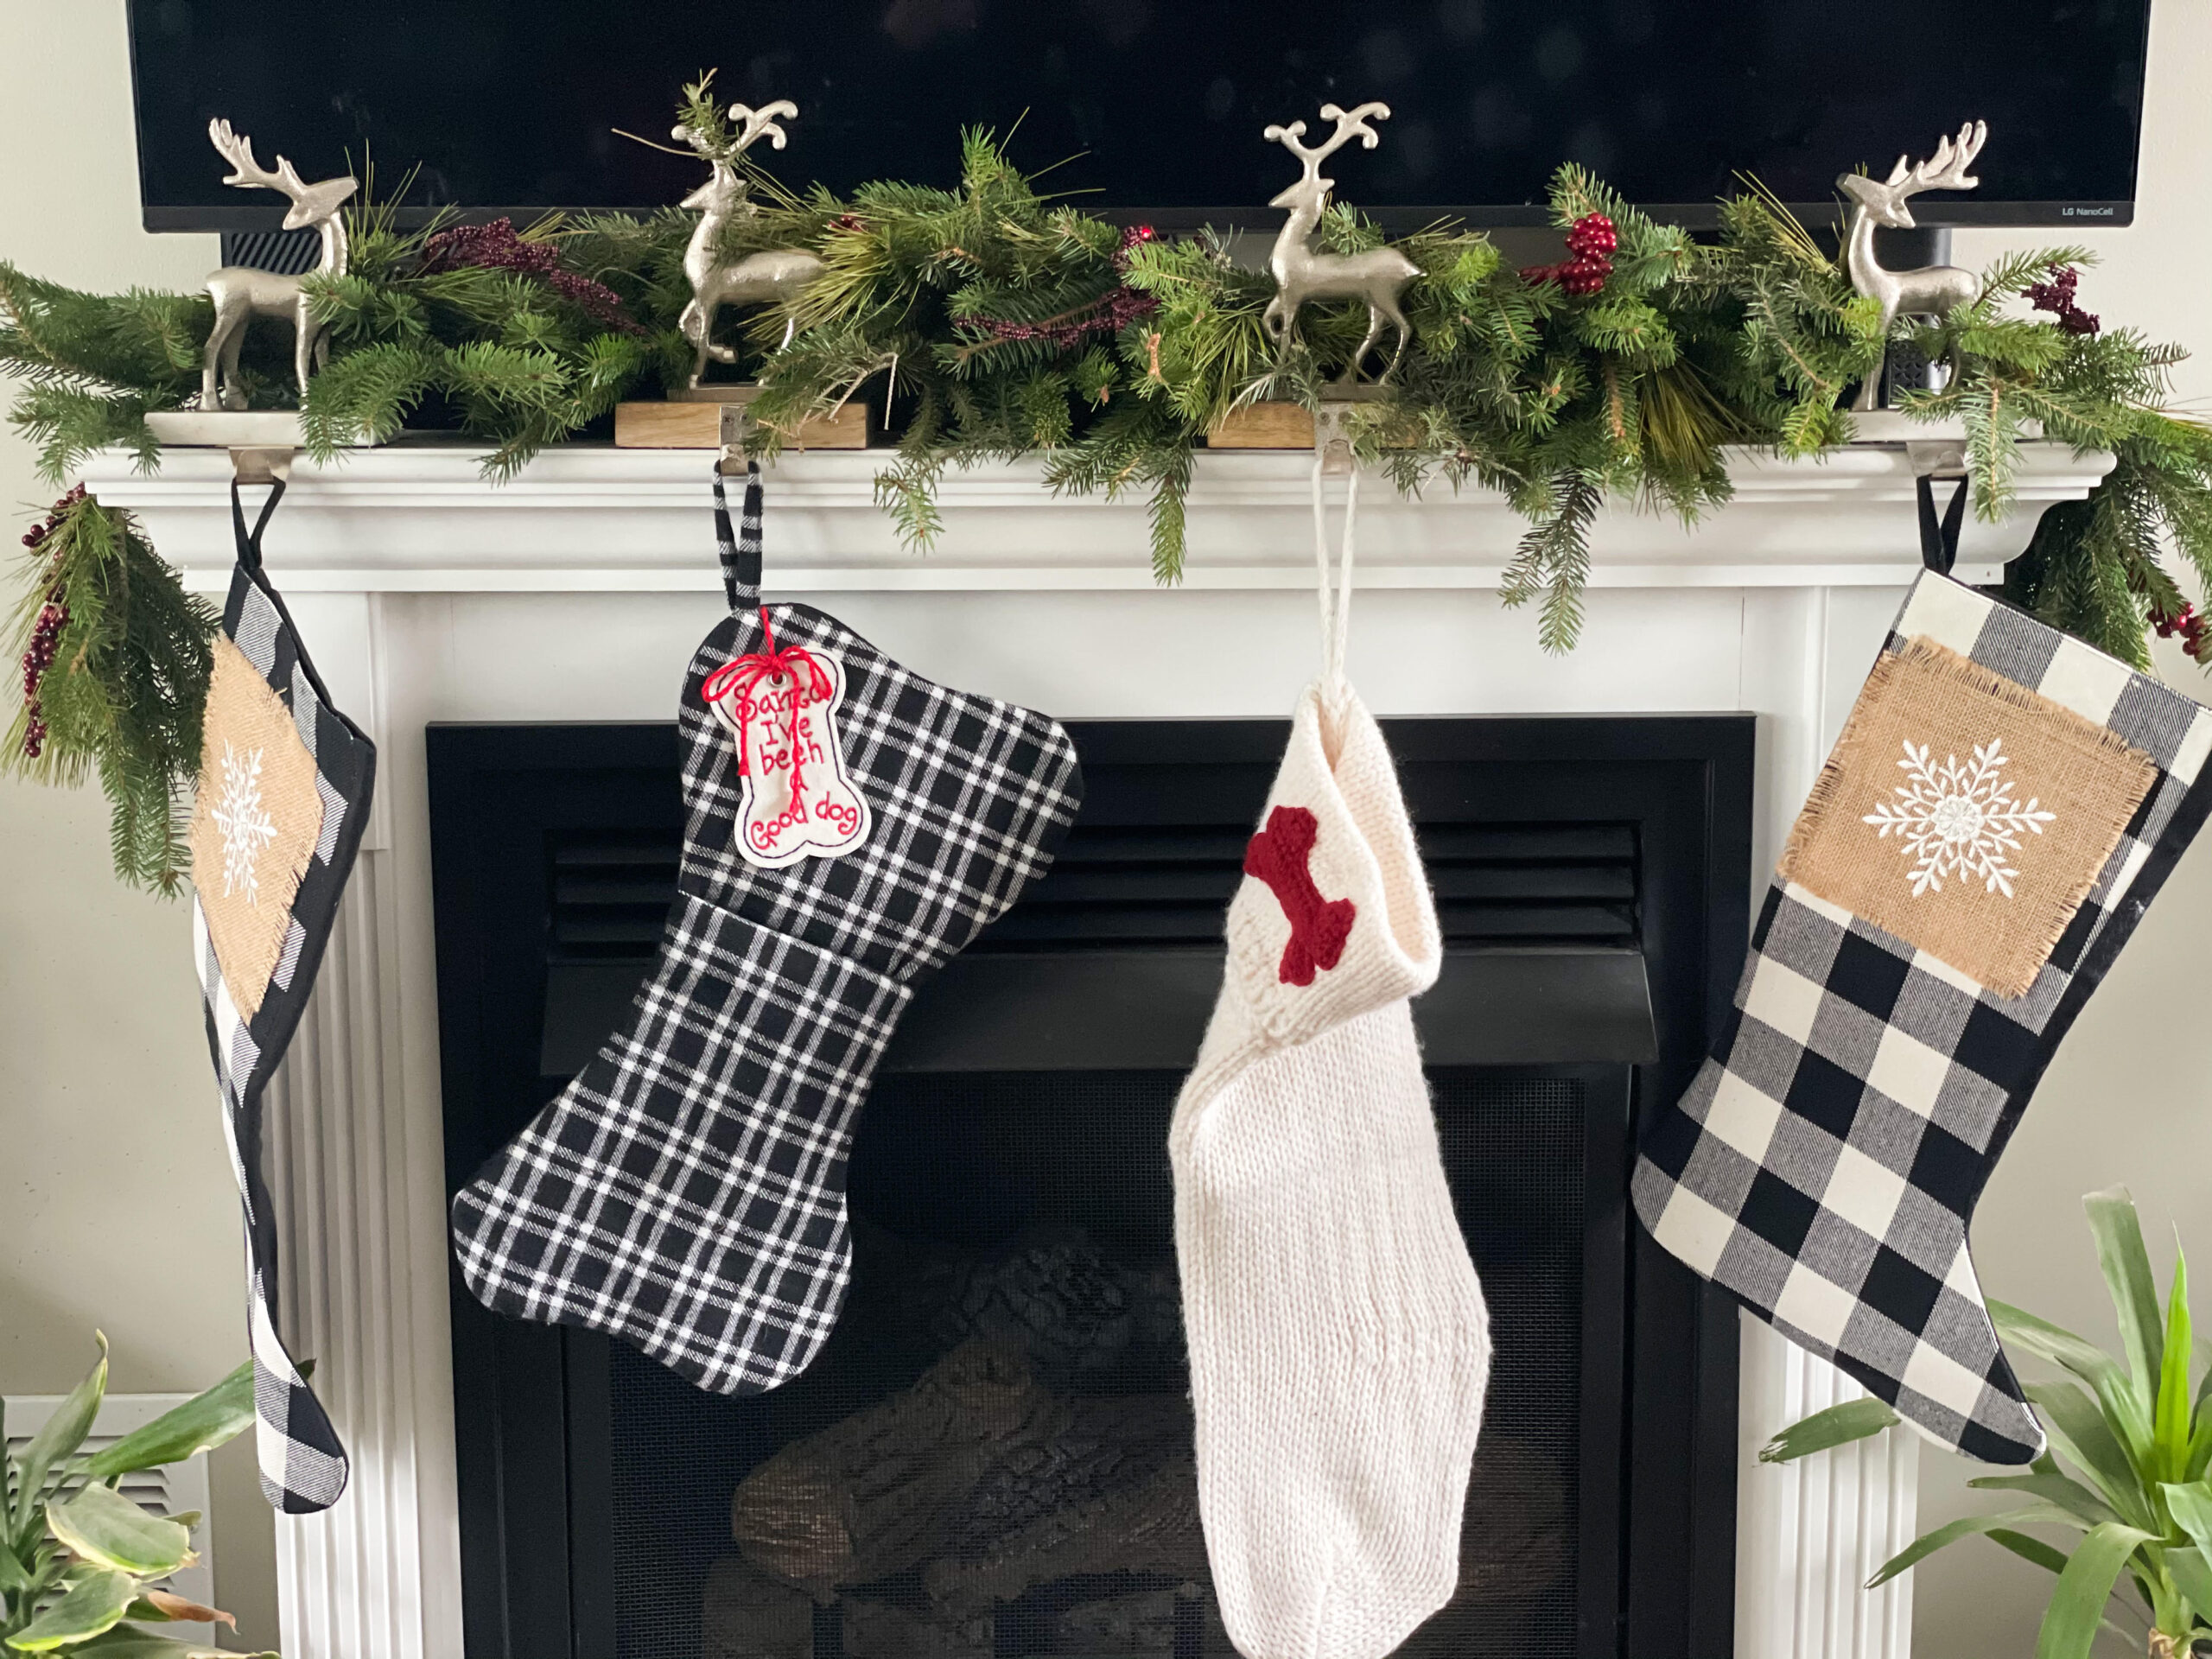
[686, 1191]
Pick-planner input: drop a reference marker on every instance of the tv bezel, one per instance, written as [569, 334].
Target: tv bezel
[1932, 212]
[1398, 220]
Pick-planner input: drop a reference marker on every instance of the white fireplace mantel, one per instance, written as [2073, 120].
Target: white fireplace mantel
[577, 591]
[422, 518]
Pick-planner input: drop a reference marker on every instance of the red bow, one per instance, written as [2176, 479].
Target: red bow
[738, 676]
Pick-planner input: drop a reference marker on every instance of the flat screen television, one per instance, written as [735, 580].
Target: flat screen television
[1153, 108]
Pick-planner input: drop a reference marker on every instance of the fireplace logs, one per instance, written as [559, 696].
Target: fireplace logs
[747, 1615]
[873, 1495]
[1038, 1473]
[986, 1481]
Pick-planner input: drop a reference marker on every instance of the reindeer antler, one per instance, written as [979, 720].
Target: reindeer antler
[246, 173]
[1947, 169]
[754, 124]
[1349, 126]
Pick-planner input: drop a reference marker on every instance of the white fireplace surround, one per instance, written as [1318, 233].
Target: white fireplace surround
[578, 591]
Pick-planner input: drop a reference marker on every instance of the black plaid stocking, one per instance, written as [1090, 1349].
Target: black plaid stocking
[303, 1467]
[686, 1191]
[1827, 1161]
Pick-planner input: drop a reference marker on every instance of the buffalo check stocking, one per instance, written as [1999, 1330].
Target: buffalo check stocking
[850, 827]
[284, 787]
[2004, 803]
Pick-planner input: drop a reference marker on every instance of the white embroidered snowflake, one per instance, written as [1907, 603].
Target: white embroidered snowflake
[1958, 820]
[247, 827]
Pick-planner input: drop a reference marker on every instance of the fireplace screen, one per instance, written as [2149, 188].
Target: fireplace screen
[993, 1454]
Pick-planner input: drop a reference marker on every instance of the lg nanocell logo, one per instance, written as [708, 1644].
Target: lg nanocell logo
[2086, 212]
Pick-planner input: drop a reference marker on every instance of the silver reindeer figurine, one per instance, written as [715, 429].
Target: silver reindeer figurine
[1933, 290]
[776, 275]
[1302, 273]
[242, 294]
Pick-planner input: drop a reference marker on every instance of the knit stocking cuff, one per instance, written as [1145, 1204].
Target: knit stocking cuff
[1333, 918]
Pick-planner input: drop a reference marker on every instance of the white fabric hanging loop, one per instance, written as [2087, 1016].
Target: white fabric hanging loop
[1336, 611]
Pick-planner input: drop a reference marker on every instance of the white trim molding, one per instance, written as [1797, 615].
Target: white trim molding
[578, 590]
[584, 519]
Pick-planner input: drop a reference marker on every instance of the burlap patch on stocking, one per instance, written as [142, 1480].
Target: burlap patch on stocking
[1966, 814]
[254, 826]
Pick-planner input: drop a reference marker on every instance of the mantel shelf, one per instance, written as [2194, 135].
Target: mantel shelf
[421, 517]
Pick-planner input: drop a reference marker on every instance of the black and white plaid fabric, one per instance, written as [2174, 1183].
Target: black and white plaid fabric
[302, 1464]
[686, 1191]
[1826, 1162]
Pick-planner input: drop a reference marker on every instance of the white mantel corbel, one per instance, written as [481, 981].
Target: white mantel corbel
[576, 591]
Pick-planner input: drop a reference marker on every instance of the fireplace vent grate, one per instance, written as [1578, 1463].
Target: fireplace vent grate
[1121, 887]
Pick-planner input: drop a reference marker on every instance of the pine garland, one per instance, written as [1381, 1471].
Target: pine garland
[115, 657]
[992, 322]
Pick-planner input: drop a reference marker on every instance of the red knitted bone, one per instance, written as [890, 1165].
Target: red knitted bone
[1319, 926]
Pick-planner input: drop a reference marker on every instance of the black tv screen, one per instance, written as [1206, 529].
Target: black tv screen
[1155, 108]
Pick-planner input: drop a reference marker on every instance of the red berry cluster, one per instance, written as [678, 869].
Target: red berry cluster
[2187, 623]
[499, 247]
[45, 631]
[1108, 313]
[847, 222]
[46, 635]
[1133, 238]
[1590, 241]
[2056, 296]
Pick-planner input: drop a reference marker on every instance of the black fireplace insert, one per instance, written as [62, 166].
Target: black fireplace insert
[992, 1455]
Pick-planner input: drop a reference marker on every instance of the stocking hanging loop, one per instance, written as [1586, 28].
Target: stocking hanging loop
[1939, 538]
[739, 551]
[1336, 611]
[249, 541]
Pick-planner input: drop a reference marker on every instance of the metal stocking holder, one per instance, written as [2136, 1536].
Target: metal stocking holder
[262, 464]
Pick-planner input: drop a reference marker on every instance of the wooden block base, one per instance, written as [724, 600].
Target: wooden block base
[1264, 426]
[703, 425]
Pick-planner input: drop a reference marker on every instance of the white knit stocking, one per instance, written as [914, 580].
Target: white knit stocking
[1338, 1343]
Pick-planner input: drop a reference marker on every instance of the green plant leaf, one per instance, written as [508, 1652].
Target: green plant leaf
[13, 1577]
[63, 1433]
[2080, 1434]
[2169, 1421]
[129, 1641]
[2114, 1390]
[107, 1528]
[201, 1423]
[2077, 1601]
[2048, 1557]
[2192, 1575]
[2200, 1447]
[1854, 1420]
[2126, 1268]
[166, 1606]
[2033, 1514]
[94, 1601]
[2054, 1342]
[2190, 1505]
[2053, 1487]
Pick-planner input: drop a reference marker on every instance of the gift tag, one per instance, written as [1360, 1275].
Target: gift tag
[797, 801]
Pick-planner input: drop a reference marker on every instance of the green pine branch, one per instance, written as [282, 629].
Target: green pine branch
[126, 687]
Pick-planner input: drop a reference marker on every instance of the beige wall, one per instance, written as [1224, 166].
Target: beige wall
[118, 1205]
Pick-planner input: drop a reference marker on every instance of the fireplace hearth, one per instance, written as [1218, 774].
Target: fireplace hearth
[992, 1457]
